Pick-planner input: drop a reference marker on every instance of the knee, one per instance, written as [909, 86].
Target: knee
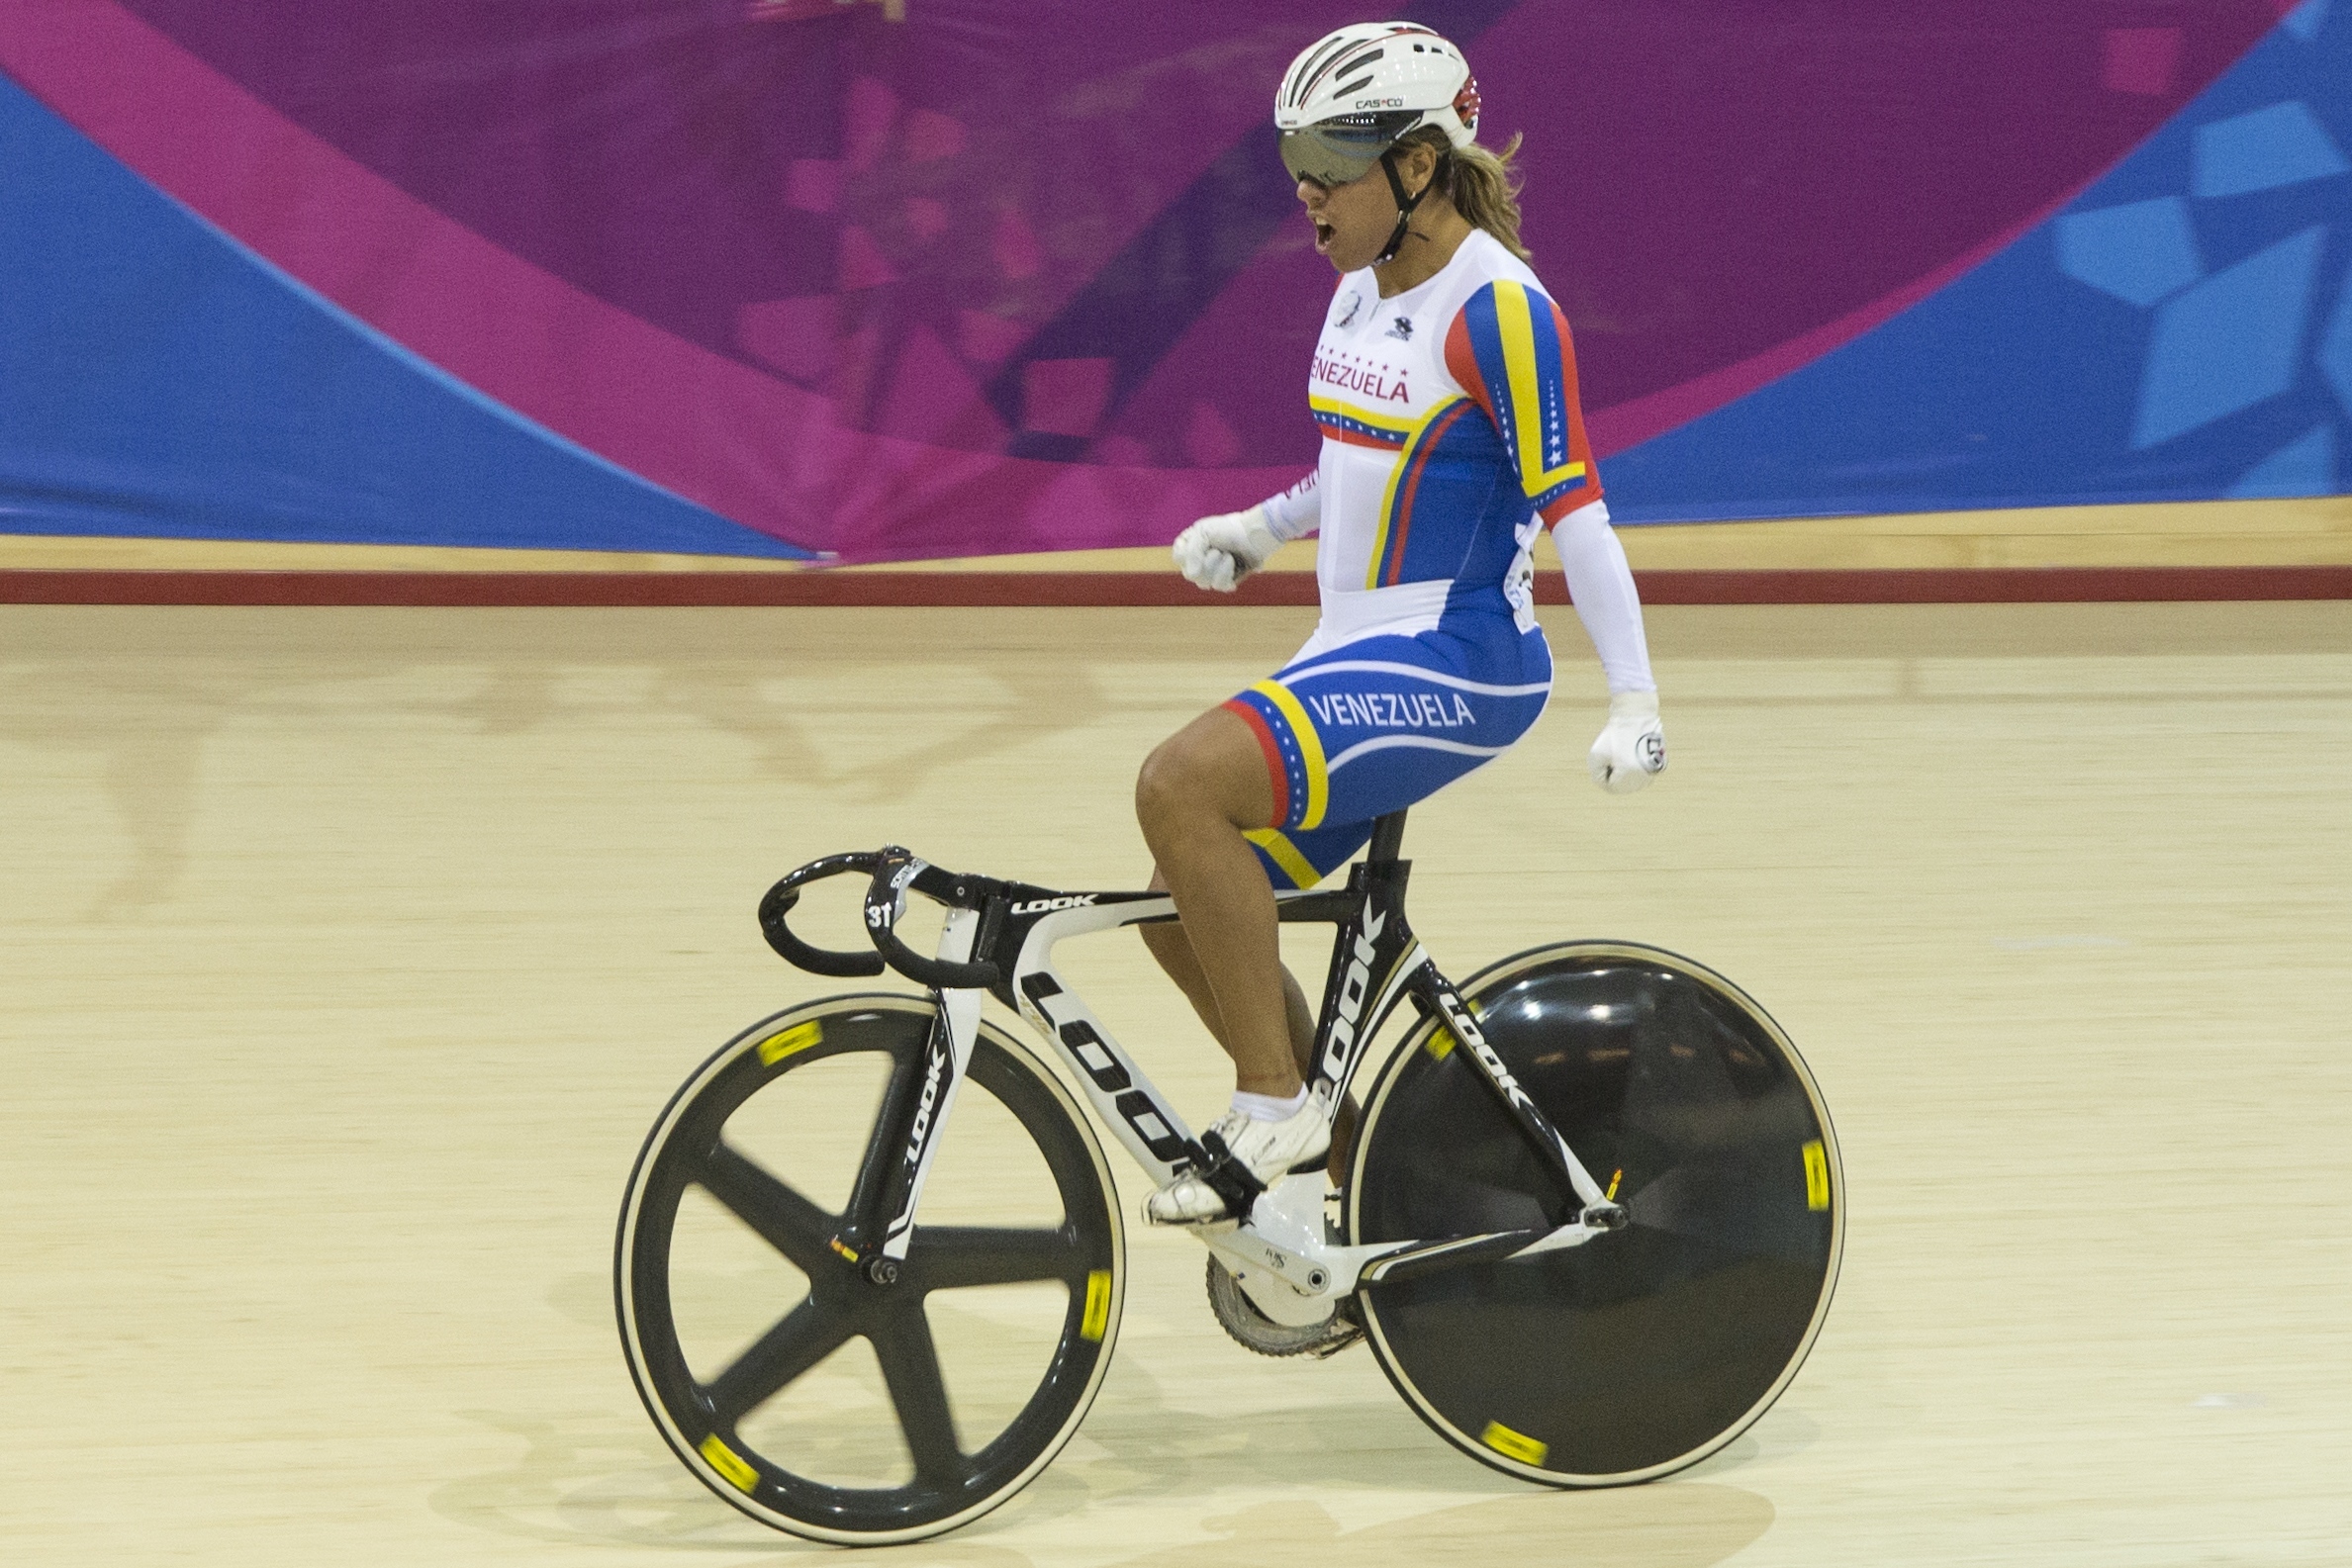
[1206, 773]
[1165, 785]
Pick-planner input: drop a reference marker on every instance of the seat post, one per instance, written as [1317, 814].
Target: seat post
[1389, 837]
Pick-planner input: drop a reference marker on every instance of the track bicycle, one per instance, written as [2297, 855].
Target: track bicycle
[1589, 1226]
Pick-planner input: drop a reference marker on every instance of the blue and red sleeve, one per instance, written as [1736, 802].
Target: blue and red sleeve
[1510, 348]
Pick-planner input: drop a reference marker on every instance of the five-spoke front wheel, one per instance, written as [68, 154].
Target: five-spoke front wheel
[800, 1375]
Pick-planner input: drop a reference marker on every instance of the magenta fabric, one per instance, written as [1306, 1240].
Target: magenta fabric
[860, 284]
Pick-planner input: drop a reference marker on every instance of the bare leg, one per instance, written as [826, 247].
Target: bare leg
[1196, 794]
[1175, 955]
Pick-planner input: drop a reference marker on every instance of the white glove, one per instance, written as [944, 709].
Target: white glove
[1218, 552]
[1632, 750]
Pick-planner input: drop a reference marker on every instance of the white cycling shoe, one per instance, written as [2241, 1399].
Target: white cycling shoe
[1266, 1150]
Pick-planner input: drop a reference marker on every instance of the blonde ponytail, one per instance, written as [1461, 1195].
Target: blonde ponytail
[1482, 184]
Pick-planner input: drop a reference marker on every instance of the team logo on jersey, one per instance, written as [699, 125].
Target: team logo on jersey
[1348, 374]
[1349, 310]
[1401, 329]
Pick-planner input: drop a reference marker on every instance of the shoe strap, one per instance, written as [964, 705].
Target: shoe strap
[1227, 1177]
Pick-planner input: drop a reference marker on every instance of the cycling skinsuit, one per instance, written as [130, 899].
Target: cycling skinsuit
[1451, 435]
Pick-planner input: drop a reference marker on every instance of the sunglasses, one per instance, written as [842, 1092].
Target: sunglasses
[1344, 151]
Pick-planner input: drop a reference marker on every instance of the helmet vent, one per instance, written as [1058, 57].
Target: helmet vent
[1396, 68]
[1310, 72]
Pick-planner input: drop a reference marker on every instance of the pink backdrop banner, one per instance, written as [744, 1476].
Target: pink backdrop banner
[1006, 277]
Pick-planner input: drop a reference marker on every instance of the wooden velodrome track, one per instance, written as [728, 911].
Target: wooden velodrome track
[349, 952]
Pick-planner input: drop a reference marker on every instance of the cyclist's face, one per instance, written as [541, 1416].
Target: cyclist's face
[1353, 220]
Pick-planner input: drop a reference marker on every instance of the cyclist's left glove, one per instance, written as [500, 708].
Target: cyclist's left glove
[1632, 750]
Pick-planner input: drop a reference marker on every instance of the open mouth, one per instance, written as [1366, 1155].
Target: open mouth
[1323, 237]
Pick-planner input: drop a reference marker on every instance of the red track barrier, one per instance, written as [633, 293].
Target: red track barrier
[1989, 585]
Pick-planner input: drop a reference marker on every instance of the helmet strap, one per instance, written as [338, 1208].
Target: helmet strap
[1404, 208]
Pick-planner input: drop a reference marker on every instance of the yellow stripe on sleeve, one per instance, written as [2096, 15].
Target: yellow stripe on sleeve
[1285, 854]
[1518, 335]
[1517, 332]
[1310, 748]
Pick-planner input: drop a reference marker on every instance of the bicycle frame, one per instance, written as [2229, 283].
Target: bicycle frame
[1000, 936]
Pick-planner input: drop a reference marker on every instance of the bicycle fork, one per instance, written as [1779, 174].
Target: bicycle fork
[878, 1220]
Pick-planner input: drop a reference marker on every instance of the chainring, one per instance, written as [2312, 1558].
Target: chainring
[1255, 1330]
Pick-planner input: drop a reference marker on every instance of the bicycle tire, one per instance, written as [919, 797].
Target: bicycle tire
[703, 1421]
[1645, 1350]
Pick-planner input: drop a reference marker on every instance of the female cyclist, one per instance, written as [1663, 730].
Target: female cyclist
[1444, 385]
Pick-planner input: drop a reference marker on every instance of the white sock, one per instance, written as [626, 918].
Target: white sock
[1269, 1107]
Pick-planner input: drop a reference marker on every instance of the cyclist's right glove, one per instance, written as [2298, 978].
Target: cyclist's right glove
[1218, 552]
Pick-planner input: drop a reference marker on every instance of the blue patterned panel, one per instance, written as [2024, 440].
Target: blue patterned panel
[2335, 348]
[2230, 342]
[2304, 467]
[2138, 252]
[2283, 144]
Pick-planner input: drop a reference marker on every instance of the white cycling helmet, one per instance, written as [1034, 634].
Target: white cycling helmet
[1352, 95]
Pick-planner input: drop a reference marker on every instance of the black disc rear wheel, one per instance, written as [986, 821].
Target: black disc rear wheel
[785, 1375]
[1648, 1349]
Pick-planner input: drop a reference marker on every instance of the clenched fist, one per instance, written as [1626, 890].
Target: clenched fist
[1632, 750]
[1218, 552]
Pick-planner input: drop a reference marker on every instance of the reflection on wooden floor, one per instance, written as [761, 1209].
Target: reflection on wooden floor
[348, 955]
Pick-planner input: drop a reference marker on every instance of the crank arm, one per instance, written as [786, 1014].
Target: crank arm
[1315, 1272]
[1324, 1272]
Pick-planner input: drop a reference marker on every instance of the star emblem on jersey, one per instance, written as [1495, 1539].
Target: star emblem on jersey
[1401, 329]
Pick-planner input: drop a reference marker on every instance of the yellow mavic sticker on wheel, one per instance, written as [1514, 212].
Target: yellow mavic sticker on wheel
[1816, 1174]
[1097, 1322]
[790, 1042]
[1514, 1445]
[728, 1464]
